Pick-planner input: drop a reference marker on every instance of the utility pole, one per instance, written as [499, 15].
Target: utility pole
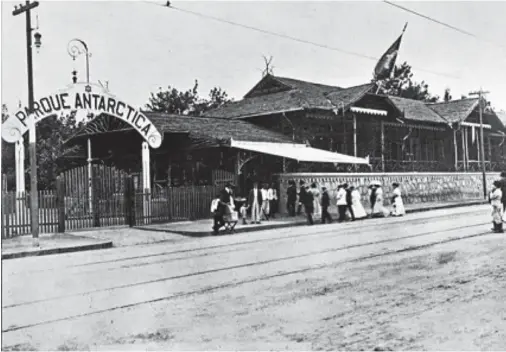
[480, 94]
[34, 196]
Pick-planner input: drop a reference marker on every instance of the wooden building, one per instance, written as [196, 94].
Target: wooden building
[397, 134]
[394, 133]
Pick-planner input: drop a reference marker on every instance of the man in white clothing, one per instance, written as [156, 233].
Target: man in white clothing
[255, 201]
[265, 202]
[341, 202]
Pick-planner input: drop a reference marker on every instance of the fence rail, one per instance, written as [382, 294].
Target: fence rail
[58, 208]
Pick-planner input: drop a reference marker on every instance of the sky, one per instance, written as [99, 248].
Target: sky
[140, 47]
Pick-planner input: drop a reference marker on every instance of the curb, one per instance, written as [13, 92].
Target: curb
[49, 251]
[298, 222]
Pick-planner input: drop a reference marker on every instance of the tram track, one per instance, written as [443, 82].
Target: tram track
[342, 231]
[264, 277]
[239, 266]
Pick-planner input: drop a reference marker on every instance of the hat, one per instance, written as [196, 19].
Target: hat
[302, 182]
[503, 174]
[497, 183]
[395, 184]
[229, 185]
[376, 183]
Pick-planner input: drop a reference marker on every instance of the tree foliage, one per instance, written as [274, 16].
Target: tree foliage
[402, 85]
[174, 101]
[51, 134]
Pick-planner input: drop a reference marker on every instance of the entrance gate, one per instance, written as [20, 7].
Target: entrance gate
[96, 201]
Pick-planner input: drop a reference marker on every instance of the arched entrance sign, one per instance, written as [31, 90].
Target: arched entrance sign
[91, 98]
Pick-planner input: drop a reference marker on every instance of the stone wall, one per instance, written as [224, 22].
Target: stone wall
[415, 187]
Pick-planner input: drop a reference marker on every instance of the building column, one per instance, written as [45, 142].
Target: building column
[19, 156]
[382, 146]
[90, 181]
[462, 139]
[146, 183]
[455, 152]
[466, 145]
[354, 135]
[489, 151]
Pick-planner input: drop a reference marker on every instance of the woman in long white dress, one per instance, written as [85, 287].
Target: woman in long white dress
[397, 201]
[316, 200]
[356, 204]
[379, 210]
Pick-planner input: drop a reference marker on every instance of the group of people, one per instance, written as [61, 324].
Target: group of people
[497, 199]
[347, 201]
[261, 202]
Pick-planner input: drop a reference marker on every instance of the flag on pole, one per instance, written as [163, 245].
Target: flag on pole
[386, 63]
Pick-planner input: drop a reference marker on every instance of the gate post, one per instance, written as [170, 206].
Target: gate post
[129, 201]
[60, 199]
[95, 201]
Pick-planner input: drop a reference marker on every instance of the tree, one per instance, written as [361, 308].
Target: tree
[173, 101]
[8, 158]
[52, 132]
[402, 85]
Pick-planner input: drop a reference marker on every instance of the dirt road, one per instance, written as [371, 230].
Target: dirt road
[432, 280]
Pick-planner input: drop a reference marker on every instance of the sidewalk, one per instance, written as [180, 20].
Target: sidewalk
[123, 236]
[202, 228]
[22, 246]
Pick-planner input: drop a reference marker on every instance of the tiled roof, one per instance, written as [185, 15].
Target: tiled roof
[214, 130]
[455, 111]
[299, 95]
[416, 110]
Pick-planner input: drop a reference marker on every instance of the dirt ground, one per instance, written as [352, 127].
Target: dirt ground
[444, 297]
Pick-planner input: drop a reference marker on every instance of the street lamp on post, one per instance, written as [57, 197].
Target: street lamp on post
[77, 47]
[34, 197]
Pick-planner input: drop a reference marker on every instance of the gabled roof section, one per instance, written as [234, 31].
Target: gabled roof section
[416, 110]
[455, 111]
[348, 96]
[299, 95]
[268, 85]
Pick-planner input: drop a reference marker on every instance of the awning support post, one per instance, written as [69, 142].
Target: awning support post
[455, 153]
[355, 138]
[19, 157]
[382, 146]
[90, 186]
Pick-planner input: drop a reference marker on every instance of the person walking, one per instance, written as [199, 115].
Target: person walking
[265, 201]
[503, 190]
[397, 201]
[325, 203]
[308, 202]
[372, 197]
[255, 202]
[379, 210]
[302, 196]
[271, 195]
[349, 201]
[495, 199]
[291, 194]
[341, 202]
[356, 204]
[316, 199]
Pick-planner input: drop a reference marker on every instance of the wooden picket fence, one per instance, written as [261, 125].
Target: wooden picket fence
[114, 201]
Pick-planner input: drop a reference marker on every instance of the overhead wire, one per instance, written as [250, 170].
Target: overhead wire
[285, 36]
[462, 31]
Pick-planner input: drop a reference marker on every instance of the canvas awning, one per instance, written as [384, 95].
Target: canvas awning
[299, 152]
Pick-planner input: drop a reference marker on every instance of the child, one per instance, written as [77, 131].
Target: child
[495, 197]
[244, 212]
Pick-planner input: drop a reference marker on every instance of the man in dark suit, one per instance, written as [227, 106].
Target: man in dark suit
[302, 196]
[348, 201]
[255, 203]
[503, 189]
[325, 206]
[291, 194]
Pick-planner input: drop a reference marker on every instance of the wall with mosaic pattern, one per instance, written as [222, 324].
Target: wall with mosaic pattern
[415, 187]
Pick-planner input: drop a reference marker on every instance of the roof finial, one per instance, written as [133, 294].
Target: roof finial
[404, 29]
[268, 68]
